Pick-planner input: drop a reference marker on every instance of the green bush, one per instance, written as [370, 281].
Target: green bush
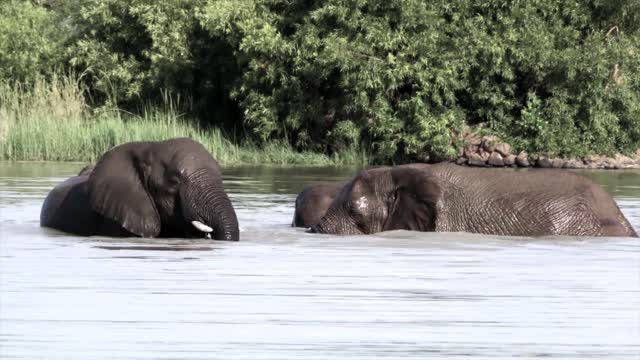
[136, 52]
[383, 68]
[129, 48]
[407, 74]
[541, 74]
[30, 43]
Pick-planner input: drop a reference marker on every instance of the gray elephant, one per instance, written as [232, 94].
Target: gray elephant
[87, 170]
[446, 197]
[313, 201]
[169, 188]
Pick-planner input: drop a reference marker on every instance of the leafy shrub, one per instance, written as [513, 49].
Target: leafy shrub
[377, 66]
[138, 52]
[407, 74]
[542, 73]
[30, 43]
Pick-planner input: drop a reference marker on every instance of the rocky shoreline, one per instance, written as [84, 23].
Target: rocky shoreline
[489, 151]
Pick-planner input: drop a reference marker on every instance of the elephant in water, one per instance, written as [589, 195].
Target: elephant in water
[169, 188]
[446, 197]
[313, 202]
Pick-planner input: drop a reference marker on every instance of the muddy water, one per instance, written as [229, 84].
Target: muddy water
[281, 293]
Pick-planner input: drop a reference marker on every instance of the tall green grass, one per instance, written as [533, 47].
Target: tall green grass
[51, 121]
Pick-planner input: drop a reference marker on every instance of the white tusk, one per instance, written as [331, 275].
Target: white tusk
[202, 227]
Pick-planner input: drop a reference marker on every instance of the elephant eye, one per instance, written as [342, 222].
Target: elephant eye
[355, 213]
[392, 197]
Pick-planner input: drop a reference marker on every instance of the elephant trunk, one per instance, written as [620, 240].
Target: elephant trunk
[206, 201]
[333, 223]
[318, 229]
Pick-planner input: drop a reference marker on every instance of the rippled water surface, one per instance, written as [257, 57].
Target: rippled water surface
[281, 293]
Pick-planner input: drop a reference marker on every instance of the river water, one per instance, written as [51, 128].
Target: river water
[281, 293]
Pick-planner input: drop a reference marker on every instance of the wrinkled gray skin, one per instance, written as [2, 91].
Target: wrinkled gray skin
[147, 189]
[313, 202]
[446, 197]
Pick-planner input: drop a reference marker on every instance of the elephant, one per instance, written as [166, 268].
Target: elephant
[170, 188]
[86, 170]
[313, 201]
[450, 198]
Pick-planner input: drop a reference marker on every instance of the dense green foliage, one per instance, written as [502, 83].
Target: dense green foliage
[400, 78]
[30, 44]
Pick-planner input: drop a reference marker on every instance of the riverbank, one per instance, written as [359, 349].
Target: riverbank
[52, 122]
[48, 137]
[88, 139]
[490, 151]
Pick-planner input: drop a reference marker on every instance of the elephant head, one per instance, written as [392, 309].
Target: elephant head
[166, 188]
[312, 203]
[381, 199]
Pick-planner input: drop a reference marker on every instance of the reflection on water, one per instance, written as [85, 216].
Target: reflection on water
[283, 293]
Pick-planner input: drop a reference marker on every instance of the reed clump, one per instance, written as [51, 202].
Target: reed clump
[51, 121]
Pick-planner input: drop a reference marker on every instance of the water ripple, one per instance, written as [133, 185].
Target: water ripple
[282, 293]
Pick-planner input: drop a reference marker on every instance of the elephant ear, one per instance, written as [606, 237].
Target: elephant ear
[117, 190]
[416, 197]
